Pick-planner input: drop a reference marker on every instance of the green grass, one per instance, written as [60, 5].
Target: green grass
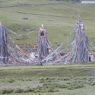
[58, 17]
[48, 80]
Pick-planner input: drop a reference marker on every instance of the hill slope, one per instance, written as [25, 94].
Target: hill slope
[58, 17]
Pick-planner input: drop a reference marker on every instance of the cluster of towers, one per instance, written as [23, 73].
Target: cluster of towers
[79, 52]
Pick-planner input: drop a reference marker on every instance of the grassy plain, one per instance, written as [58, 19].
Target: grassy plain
[48, 80]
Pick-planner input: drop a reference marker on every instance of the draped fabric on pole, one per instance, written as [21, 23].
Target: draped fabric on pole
[3, 45]
[43, 43]
[80, 45]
